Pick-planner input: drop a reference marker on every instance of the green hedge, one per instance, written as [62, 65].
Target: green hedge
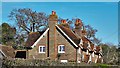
[7, 63]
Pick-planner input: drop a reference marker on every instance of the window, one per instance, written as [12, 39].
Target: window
[61, 49]
[41, 49]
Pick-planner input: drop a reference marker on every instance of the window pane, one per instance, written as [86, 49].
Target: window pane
[63, 48]
[43, 49]
[59, 48]
[40, 49]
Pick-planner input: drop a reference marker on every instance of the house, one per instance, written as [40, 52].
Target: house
[59, 42]
[89, 52]
[56, 42]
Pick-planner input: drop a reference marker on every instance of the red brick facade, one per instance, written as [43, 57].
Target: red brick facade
[57, 35]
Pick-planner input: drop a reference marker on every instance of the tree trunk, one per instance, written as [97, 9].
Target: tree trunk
[33, 27]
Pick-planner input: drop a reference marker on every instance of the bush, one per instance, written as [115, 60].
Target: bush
[7, 63]
[103, 65]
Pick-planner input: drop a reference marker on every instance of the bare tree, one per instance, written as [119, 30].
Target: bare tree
[96, 41]
[90, 31]
[29, 20]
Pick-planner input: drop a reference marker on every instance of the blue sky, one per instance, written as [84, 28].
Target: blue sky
[102, 16]
[60, 0]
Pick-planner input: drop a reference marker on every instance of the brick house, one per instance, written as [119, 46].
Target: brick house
[59, 42]
[89, 52]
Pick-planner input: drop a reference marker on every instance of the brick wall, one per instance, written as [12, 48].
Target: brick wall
[34, 53]
[70, 51]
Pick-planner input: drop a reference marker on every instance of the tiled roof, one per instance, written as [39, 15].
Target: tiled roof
[65, 25]
[92, 46]
[97, 49]
[71, 35]
[8, 51]
[87, 40]
[32, 38]
[85, 45]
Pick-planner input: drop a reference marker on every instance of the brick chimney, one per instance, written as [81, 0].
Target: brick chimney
[53, 13]
[78, 23]
[53, 19]
[53, 16]
[78, 27]
[84, 32]
[63, 21]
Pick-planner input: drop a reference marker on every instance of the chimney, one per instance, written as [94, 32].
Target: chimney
[78, 27]
[53, 16]
[78, 22]
[53, 20]
[84, 32]
[53, 13]
[63, 21]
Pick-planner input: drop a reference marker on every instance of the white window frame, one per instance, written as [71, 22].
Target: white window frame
[59, 49]
[64, 61]
[42, 49]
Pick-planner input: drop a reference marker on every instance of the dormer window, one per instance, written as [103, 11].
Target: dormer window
[61, 49]
[41, 49]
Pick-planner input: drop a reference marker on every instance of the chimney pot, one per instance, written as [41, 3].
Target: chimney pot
[63, 21]
[78, 20]
[53, 12]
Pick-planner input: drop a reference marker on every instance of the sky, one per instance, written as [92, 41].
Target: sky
[102, 16]
[60, 0]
